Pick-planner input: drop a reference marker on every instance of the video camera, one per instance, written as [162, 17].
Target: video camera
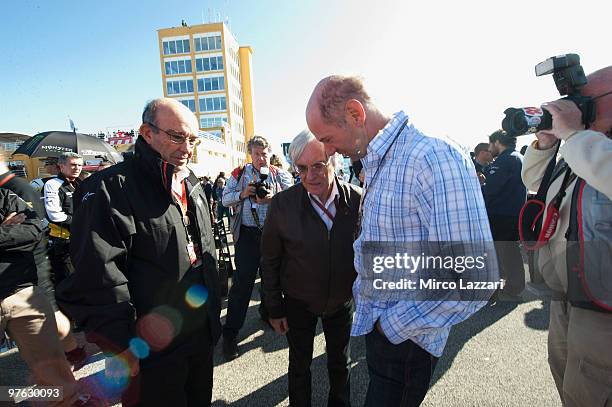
[569, 78]
[261, 188]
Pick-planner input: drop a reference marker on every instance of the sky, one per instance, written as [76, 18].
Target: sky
[453, 67]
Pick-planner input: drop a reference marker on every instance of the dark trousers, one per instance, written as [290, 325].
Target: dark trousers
[505, 235]
[59, 257]
[180, 378]
[337, 330]
[247, 258]
[399, 374]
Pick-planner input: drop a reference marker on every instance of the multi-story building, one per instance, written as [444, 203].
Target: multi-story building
[205, 68]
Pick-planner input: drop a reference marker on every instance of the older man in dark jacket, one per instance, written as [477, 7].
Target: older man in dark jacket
[145, 285]
[307, 264]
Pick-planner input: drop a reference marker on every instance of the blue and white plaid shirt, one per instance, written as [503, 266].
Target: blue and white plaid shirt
[426, 190]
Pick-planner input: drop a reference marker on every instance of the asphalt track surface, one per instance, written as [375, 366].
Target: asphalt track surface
[496, 358]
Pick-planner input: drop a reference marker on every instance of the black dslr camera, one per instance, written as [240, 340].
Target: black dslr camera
[261, 188]
[569, 78]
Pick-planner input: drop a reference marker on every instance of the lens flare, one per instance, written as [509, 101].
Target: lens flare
[117, 373]
[159, 327]
[139, 348]
[196, 296]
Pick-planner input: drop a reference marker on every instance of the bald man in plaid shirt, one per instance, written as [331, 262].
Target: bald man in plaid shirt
[418, 189]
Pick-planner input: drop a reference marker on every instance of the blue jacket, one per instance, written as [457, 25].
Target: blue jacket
[504, 191]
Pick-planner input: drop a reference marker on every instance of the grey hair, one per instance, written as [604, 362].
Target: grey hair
[65, 157]
[257, 141]
[149, 114]
[299, 143]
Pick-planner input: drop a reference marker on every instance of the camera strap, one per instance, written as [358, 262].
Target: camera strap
[256, 217]
[254, 208]
[547, 179]
[534, 230]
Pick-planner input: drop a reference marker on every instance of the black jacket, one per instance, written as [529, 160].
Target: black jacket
[22, 246]
[504, 191]
[300, 259]
[32, 198]
[129, 250]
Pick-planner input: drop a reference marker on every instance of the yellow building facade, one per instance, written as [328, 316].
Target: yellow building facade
[205, 68]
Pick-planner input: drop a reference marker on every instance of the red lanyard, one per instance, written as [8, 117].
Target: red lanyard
[323, 208]
[182, 198]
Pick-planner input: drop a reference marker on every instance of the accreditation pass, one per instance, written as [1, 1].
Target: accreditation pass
[17, 394]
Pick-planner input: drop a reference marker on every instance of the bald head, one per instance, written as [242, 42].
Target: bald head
[154, 107]
[171, 129]
[331, 94]
[599, 83]
[342, 116]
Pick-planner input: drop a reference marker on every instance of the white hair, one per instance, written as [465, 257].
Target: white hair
[299, 143]
[67, 156]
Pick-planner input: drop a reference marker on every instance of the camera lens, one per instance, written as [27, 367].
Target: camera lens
[526, 120]
[261, 191]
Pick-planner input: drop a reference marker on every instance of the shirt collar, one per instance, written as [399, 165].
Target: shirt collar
[332, 196]
[382, 140]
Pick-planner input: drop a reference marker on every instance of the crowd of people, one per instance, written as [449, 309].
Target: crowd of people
[128, 255]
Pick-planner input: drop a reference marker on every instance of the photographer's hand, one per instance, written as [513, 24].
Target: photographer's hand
[567, 119]
[248, 191]
[546, 140]
[265, 200]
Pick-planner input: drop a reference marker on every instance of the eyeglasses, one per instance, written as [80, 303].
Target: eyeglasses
[317, 168]
[175, 137]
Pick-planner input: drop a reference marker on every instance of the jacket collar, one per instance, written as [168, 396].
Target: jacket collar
[507, 151]
[157, 169]
[74, 183]
[153, 165]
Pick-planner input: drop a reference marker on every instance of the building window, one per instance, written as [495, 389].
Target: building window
[211, 84]
[190, 103]
[207, 122]
[209, 64]
[176, 47]
[213, 104]
[207, 43]
[179, 87]
[178, 67]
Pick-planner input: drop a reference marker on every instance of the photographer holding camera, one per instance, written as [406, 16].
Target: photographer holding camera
[575, 240]
[248, 192]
